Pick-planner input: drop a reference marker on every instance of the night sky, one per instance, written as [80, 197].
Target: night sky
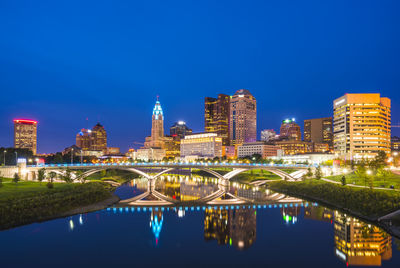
[61, 63]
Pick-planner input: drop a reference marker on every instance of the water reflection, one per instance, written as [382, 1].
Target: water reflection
[359, 243]
[355, 242]
[236, 227]
[156, 222]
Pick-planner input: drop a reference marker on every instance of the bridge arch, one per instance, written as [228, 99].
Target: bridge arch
[275, 171]
[133, 170]
[209, 171]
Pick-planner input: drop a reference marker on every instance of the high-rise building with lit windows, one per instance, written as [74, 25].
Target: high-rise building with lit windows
[99, 138]
[216, 116]
[94, 139]
[319, 130]
[290, 130]
[179, 130]
[156, 140]
[25, 134]
[361, 125]
[243, 118]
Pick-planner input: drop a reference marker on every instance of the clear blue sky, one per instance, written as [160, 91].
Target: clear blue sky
[64, 61]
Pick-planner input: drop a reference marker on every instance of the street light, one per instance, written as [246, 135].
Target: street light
[4, 156]
[72, 155]
[16, 158]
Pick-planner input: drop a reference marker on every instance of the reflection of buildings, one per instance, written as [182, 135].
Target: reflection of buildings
[243, 226]
[290, 214]
[156, 221]
[216, 225]
[358, 243]
[318, 213]
[193, 190]
[238, 227]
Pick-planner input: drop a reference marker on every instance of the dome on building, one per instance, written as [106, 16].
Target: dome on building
[243, 92]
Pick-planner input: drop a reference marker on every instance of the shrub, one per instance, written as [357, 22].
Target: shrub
[343, 180]
[369, 203]
[16, 178]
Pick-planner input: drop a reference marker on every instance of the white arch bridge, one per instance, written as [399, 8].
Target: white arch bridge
[147, 170]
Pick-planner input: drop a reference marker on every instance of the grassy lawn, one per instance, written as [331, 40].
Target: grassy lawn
[27, 201]
[352, 178]
[26, 188]
[120, 176]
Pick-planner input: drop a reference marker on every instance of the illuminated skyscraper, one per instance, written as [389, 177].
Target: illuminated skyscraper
[99, 138]
[94, 139]
[361, 125]
[157, 128]
[179, 130]
[319, 130]
[84, 139]
[216, 116]
[290, 130]
[25, 134]
[243, 118]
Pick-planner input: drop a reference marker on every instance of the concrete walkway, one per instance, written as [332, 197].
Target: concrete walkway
[359, 186]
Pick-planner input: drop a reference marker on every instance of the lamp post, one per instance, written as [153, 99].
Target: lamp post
[16, 158]
[72, 155]
[4, 156]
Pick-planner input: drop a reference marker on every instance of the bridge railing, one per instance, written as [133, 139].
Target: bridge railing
[166, 164]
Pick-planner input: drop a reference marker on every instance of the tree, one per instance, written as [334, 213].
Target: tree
[67, 176]
[16, 178]
[309, 173]
[380, 159]
[383, 173]
[41, 174]
[318, 173]
[344, 180]
[361, 172]
[52, 175]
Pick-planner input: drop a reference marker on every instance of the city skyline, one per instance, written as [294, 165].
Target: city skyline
[112, 76]
[134, 144]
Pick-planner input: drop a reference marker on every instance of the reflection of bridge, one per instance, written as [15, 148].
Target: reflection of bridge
[220, 196]
[145, 169]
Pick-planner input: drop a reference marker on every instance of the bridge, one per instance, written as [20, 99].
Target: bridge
[146, 169]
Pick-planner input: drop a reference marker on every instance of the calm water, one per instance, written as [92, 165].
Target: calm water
[298, 235]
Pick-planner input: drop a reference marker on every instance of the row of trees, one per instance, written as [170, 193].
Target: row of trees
[67, 175]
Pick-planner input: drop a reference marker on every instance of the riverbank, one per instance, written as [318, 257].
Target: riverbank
[29, 202]
[364, 203]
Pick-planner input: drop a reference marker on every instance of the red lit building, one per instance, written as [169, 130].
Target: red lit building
[25, 134]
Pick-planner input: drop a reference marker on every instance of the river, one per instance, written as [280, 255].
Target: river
[279, 231]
